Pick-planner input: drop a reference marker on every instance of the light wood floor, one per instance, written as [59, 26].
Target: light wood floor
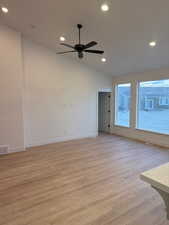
[85, 182]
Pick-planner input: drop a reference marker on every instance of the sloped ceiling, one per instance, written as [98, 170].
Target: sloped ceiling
[124, 32]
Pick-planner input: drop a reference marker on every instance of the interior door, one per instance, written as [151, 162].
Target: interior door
[104, 112]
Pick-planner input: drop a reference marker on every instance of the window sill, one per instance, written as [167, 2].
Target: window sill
[152, 132]
[147, 131]
[120, 126]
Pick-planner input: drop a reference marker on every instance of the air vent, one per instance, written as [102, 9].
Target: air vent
[4, 149]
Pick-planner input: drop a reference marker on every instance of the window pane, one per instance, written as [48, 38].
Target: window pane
[153, 111]
[123, 96]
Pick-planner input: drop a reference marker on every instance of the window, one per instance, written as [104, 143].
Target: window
[164, 100]
[123, 98]
[153, 109]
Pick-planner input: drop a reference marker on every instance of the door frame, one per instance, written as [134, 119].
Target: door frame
[107, 90]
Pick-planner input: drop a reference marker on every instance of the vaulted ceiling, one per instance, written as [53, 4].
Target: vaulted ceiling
[124, 32]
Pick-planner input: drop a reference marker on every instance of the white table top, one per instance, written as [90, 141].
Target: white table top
[158, 177]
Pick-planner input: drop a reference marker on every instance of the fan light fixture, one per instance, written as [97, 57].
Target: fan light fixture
[4, 9]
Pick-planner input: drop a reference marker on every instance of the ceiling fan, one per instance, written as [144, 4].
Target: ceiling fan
[81, 48]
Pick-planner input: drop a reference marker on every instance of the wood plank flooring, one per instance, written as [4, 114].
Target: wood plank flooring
[84, 182]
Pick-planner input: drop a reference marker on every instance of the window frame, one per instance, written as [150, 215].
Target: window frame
[116, 105]
[161, 98]
[138, 104]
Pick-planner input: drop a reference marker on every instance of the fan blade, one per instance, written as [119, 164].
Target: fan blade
[95, 51]
[60, 53]
[66, 45]
[90, 44]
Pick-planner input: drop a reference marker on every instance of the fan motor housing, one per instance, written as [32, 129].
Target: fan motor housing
[79, 47]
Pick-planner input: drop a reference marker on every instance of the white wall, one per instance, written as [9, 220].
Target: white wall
[60, 96]
[132, 132]
[44, 98]
[11, 115]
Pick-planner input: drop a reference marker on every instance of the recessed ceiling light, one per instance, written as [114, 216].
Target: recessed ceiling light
[104, 7]
[152, 44]
[4, 9]
[62, 38]
[103, 59]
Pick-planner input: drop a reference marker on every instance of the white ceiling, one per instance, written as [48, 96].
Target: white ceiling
[124, 32]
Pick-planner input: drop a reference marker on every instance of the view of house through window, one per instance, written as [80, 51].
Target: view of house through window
[153, 109]
[123, 96]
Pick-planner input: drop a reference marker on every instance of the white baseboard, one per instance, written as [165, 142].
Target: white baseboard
[60, 139]
[13, 150]
[16, 149]
[144, 136]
